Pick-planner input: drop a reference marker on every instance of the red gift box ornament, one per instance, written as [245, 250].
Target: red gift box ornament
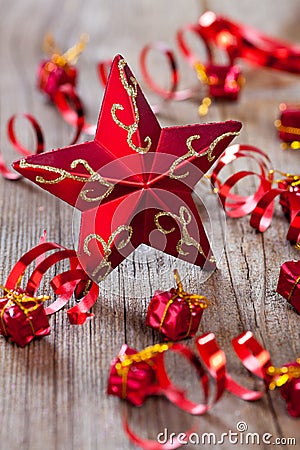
[176, 313]
[132, 375]
[289, 283]
[22, 317]
[288, 125]
[133, 182]
[291, 186]
[287, 379]
[58, 70]
[224, 81]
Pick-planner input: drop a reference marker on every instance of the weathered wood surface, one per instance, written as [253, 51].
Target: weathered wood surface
[53, 393]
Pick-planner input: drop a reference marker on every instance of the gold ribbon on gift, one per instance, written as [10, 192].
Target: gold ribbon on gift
[282, 375]
[146, 355]
[294, 179]
[293, 289]
[21, 299]
[190, 299]
[205, 79]
[70, 56]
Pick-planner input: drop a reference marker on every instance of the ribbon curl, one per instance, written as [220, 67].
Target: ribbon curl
[260, 204]
[253, 356]
[65, 284]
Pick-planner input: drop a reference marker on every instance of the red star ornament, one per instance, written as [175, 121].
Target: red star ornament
[133, 182]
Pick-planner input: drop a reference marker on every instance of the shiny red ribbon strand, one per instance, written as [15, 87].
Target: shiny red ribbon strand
[172, 93]
[241, 41]
[69, 105]
[63, 284]
[5, 172]
[252, 355]
[103, 69]
[261, 203]
[73, 115]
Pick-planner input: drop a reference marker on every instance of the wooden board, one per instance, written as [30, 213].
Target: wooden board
[53, 392]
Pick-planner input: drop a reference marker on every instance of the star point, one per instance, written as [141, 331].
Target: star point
[133, 178]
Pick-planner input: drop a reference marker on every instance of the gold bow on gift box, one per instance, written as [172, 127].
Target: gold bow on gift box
[281, 375]
[191, 300]
[21, 299]
[70, 56]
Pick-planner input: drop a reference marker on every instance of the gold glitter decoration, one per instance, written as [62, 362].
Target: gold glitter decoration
[283, 375]
[184, 219]
[107, 246]
[131, 90]
[289, 130]
[21, 299]
[64, 174]
[145, 355]
[293, 287]
[193, 152]
[190, 299]
[70, 56]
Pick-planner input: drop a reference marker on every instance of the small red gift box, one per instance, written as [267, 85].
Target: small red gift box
[224, 81]
[176, 313]
[289, 283]
[22, 318]
[132, 375]
[292, 187]
[288, 124]
[287, 379]
[290, 391]
[52, 75]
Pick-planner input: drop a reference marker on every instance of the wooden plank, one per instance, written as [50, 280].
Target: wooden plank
[53, 394]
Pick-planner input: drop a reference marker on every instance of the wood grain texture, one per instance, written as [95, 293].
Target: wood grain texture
[53, 393]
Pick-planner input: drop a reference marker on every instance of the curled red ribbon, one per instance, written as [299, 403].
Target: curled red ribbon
[252, 355]
[261, 203]
[103, 68]
[63, 284]
[6, 173]
[241, 41]
[172, 92]
[74, 116]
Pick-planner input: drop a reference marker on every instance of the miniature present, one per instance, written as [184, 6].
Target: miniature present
[59, 69]
[176, 313]
[288, 125]
[22, 318]
[225, 81]
[291, 196]
[287, 379]
[132, 374]
[289, 283]
[52, 74]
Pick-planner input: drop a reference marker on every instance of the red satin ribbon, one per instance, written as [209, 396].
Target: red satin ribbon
[66, 96]
[241, 41]
[172, 92]
[63, 284]
[6, 173]
[175, 394]
[261, 203]
[252, 355]
[38, 133]
[149, 444]
[191, 57]
[103, 68]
